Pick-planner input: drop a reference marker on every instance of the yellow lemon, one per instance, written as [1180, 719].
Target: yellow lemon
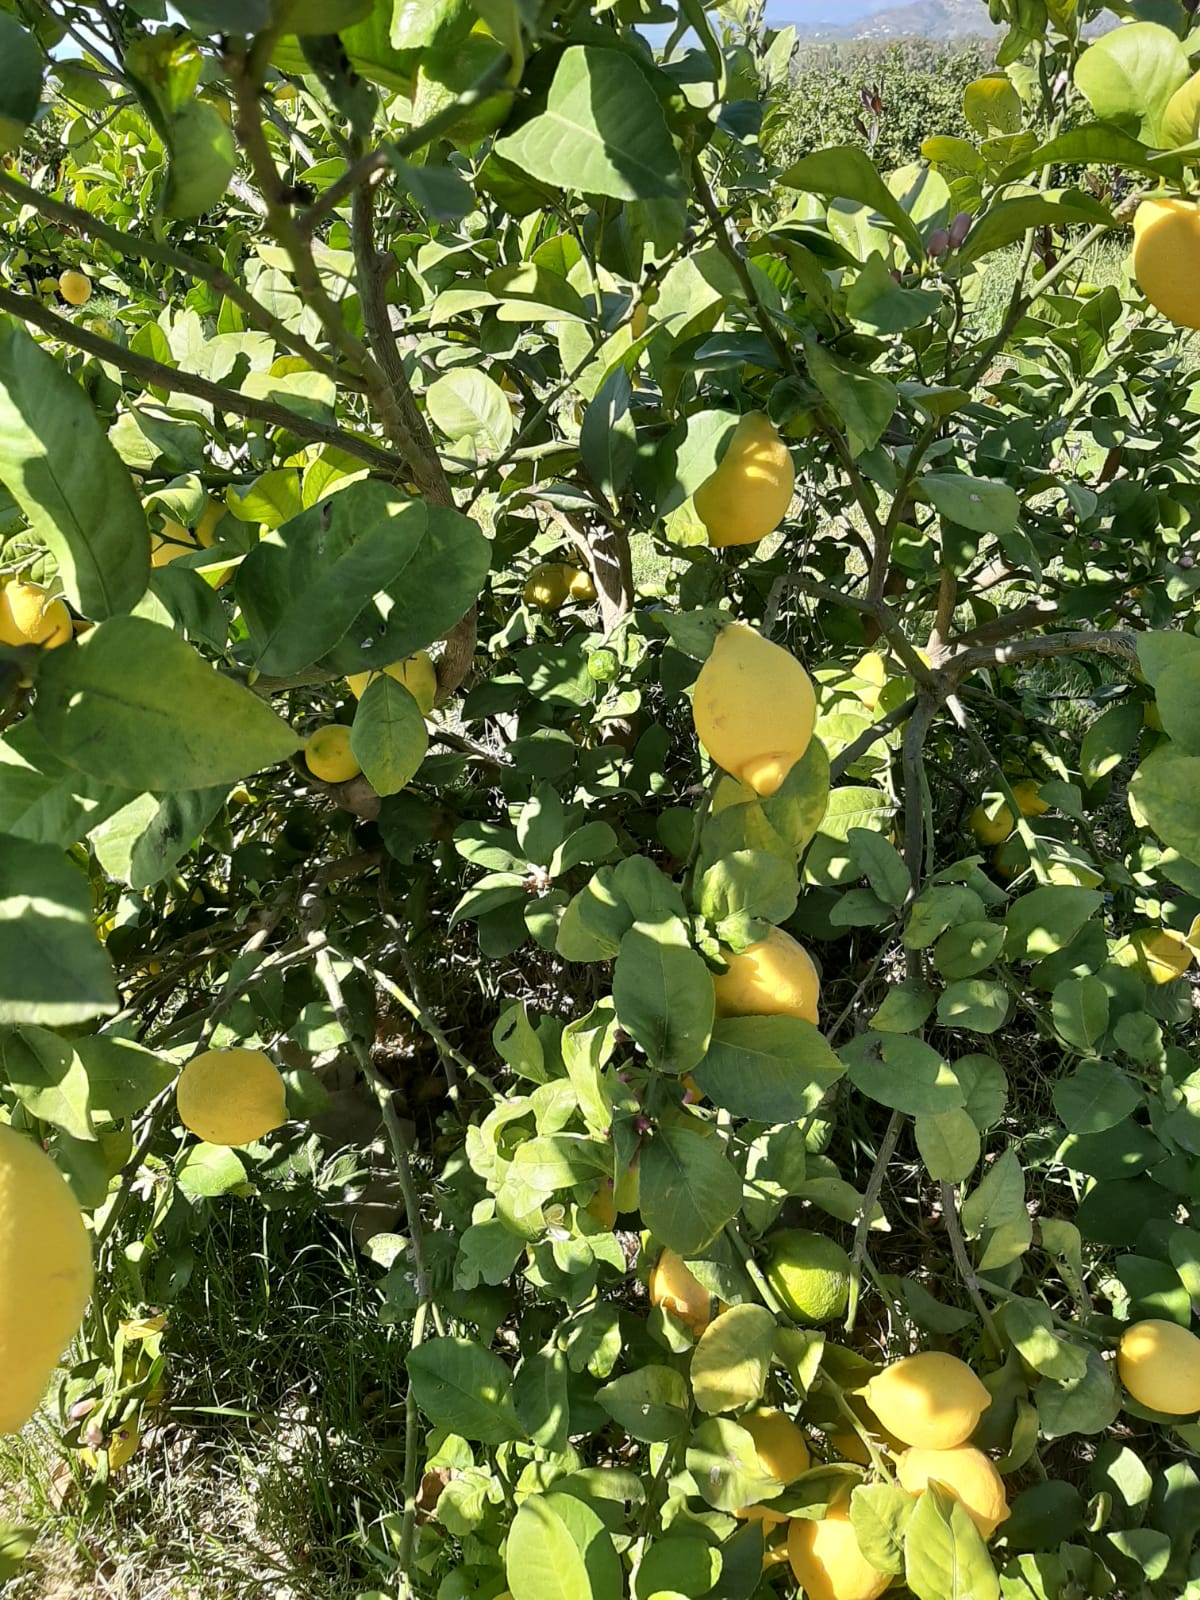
[45, 1274]
[766, 1514]
[774, 978]
[637, 322]
[231, 1096]
[992, 828]
[75, 288]
[328, 756]
[1162, 954]
[828, 1563]
[872, 669]
[1159, 1363]
[580, 587]
[967, 1473]
[547, 586]
[172, 541]
[122, 1446]
[753, 708]
[747, 496]
[676, 1288]
[782, 1447]
[930, 1400]
[29, 616]
[1029, 801]
[417, 673]
[1166, 240]
[603, 1205]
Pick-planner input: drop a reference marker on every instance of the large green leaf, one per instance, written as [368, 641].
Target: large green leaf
[903, 1073]
[689, 1189]
[977, 503]
[141, 842]
[1166, 791]
[21, 85]
[48, 1078]
[53, 969]
[945, 1557]
[464, 1388]
[864, 402]
[133, 704]
[44, 799]
[650, 1403]
[847, 173]
[1129, 75]
[1047, 919]
[362, 579]
[770, 1069]
[603, 131]
[731, 1363]
[466, 404]
[57, 463]
[1012, 219]
[389, 737]
[664, 995]
[541, 1559]
[1097, 144]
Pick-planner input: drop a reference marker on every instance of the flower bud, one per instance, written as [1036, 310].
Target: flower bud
[960, 228]
[937, 244]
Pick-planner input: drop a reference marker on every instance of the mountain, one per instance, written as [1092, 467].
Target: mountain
[924, 19]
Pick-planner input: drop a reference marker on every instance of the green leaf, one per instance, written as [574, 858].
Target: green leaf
[678, 1565]
[1176, 690]
[664, 995]
[202, 158]
[748, 884]
[592, 1539]
[208, 1170]
[141, 843]
[902, 1073]
[535, 291]
[607, 437]
[964, 950]
[1096, 144]
[1110, 739]
[651, 1403]
[44, 800]
[725, 1465]
[540, 1398]
[602, 133]
[880, 1514]
[1030, 1326]
[976, 503]
[466, 404]
[770, 1069]
[731, 1363]
[48, 1078]
[53, 969]
[1087, 1405]
[904, 1008]
[996, 1208]
[882, 864]
[1129, 75]
[541, 1559]
[1079, 1008]
[1012, 219]
[21, 85]
[1047, 919]
[58, 465]
[877, 302]
[123, 1077]
[945, 1557]
[848, 173]
[863, 402]
[1096, 1097]
[388, 737]
[1166, 791]
[463, 1387]
[979, 1004]
[689, 1189]
[132, 704]
[949, 1144]
[992, 105]
[362, 579]
[938, 907]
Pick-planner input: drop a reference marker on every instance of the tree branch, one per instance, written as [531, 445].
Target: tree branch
[153, 372]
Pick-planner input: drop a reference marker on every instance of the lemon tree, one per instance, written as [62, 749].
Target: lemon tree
[663, 672]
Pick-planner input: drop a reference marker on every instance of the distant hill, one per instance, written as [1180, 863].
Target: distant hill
[922, 19]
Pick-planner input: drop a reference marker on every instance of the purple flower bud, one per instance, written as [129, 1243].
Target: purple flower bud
[643, 1124]
[960, 228]
[938, 243]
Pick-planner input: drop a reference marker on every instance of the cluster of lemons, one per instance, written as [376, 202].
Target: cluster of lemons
[327, 752]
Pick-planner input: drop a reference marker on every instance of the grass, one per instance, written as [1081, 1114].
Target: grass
[274, 1466]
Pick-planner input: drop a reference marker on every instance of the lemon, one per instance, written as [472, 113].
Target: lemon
[628, 1193]
[674, 1287]
[930, 1400]
[231, 1096]
[637, 322]
[1162, 954]
[773, 978]
[782, 1447]
[753, 708]
[29, 616]
[171, 542]
[810, 1274]
[1159, 1363]
[45, 1274]
[748, 495]
[992, 827]
[828, 1563]
[580, 587]
[75, 288]
[417, 673]
[1166, 240]
[967, 1473]
[1028, 797]
[328, 756]
[547, 586]
[872, 669]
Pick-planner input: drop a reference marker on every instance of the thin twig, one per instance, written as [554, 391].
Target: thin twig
[871, 1194]
[962, 1261]
[873, 734]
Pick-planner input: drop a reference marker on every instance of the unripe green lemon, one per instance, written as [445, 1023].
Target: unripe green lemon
[810, 1274]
